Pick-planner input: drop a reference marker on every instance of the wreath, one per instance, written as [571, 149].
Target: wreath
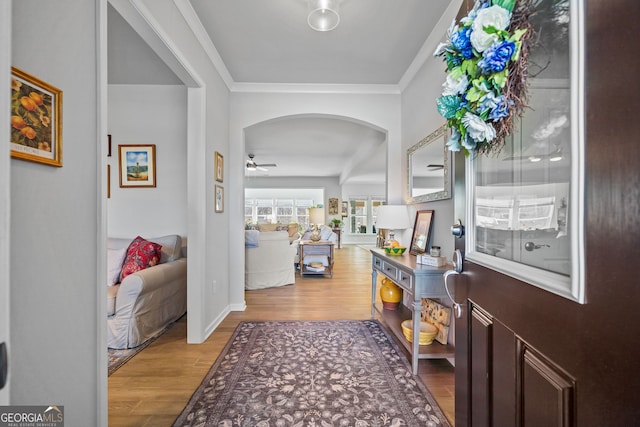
[486, 84]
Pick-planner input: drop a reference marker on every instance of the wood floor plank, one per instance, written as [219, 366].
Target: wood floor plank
[152, 388]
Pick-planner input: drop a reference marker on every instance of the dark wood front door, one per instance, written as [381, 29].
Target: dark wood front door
[527, 357]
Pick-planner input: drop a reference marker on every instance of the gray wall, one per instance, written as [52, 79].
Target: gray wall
[149, 114]
[53, 220]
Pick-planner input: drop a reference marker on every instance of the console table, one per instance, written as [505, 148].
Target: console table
[417, 281]
[320, 248]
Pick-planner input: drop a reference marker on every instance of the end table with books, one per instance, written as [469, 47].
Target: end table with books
[316, 258]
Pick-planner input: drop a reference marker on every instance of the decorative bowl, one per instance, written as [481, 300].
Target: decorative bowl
[427, 331]
[395, 251]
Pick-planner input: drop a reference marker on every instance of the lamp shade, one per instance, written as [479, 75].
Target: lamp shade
[316, 215]
[392, 217]
[323, 14]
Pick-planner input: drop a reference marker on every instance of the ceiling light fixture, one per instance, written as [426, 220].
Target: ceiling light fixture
[323, 14]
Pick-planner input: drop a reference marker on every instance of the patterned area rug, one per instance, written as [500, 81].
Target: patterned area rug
[117, 358]
[311, 373]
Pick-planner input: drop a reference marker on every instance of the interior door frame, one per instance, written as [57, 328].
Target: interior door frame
[5, 174]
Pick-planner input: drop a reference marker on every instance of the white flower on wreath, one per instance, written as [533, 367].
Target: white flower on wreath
[494, 16]
[455, 85]
[478, 129]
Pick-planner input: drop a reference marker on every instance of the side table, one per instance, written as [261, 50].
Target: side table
[320, 249]
[338, 231]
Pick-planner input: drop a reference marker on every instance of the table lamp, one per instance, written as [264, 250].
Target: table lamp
[391, 217]
[316, 217]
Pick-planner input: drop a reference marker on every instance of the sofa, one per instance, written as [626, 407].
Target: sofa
[270, 257]
[142, 304]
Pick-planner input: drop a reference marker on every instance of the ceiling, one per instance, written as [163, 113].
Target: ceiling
[269, 42]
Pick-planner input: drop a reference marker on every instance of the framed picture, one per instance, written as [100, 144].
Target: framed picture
[219, 167]
[421, 232]
[333, 206]
[36, 119]
[137, 165]
[219, 198]
[345, 209]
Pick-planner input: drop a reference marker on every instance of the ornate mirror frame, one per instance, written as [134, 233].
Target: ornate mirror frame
[439, 136]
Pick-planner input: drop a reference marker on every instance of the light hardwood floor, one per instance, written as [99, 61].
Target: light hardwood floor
[153, 387]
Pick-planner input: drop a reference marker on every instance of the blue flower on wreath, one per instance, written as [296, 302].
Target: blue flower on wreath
[496, 58]
[496, 106]
[461, 40]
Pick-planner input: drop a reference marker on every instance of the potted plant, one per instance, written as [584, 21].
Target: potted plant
[337, 223]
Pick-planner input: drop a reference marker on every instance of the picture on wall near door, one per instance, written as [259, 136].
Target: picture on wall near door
[333, 206]
[219, 167]
[219, 198]
[137, 165]
[36, 119]
[345, 209]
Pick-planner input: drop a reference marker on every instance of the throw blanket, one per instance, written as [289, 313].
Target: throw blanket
[251, 238]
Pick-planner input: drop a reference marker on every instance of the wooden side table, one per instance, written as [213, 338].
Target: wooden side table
[321, 249]
[338, 231]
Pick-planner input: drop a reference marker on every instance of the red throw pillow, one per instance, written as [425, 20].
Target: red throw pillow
[141, 254]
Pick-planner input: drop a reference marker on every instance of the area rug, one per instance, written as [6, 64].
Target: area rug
[311, 373]
[117, 358]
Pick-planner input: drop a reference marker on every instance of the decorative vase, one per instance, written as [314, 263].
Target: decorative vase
[390, 294]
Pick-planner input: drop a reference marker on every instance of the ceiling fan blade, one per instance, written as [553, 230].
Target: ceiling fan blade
[260, 168]
[268, 165]
[435, 167]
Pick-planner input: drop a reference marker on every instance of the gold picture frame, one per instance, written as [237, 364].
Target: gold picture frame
[137, 165]
[219, 199]
[333, 206]
[36, 119]
[219, 167]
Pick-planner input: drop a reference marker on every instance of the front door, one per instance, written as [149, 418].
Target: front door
[524, 355]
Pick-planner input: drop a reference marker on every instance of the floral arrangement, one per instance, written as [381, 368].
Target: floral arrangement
[486, 57]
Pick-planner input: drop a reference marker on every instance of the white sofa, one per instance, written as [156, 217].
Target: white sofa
[271, 262]
[145, 302]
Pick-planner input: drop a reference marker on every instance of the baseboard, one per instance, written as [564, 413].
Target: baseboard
[216, 322]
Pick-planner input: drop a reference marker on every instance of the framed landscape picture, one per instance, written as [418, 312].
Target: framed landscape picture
[137, 165]
[36, 119]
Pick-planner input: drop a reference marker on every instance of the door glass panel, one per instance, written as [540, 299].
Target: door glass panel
[522, 197]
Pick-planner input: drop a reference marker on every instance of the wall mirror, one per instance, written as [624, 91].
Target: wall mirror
[428, 168]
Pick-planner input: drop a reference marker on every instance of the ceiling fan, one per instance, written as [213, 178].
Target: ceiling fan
[434, 167]
[252, 165]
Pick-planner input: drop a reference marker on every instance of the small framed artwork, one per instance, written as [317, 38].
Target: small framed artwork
[345, 209]
[137, 165]
[333, 206]
[421, 232]
[219, 167]
[219, 198]
[36, 119]
[108, 145]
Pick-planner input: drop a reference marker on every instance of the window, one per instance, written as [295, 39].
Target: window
[264, 211]
[283, 211]
[362, 214]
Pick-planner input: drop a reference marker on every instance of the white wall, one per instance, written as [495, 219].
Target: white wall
[149, 114]
[420, 118]
[54, 232]
[381, 111]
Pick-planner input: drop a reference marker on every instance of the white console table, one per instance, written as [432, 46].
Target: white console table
[417, 281]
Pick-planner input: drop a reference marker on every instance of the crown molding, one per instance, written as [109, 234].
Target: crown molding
[316, 88]
[194, 23]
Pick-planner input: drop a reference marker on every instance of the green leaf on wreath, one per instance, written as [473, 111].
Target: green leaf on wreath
[448, 105]
[500, 79]
[470, 66]
[506, 4]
